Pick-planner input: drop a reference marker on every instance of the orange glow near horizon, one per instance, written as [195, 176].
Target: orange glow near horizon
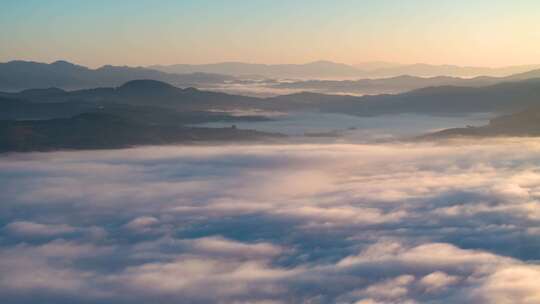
[467, 33]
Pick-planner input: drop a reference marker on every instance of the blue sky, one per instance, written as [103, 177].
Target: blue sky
[141, 32]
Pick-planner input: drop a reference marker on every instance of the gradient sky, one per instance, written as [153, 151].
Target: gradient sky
[144, 32]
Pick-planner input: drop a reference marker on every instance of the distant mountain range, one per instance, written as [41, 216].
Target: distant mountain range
[20, 75]
[140, 112]
[154, 112]
[138, 93]
[505, 97]
[391, 85]
[397, 84]
[318, 69]
[328, 69]
[501, 98]
[430, 70]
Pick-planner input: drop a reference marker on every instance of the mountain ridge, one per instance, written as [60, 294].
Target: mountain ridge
[376, 69]
[19, 75]
[502, 97]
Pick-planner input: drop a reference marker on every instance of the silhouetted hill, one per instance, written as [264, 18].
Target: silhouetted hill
[139, 112]
[141, 85]
[147, 89]
[142, 92]
[21, 109]
[523, 123]
[399, 84]
[105, 131]
[444, 100]
[525, 75]
[20, 75]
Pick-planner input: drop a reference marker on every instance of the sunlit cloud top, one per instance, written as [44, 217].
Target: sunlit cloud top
[143, 32]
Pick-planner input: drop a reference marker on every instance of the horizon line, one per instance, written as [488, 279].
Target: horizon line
[354, 65]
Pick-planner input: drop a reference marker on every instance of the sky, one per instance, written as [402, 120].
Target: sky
[144, 32]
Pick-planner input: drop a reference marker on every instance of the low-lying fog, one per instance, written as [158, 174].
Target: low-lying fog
[355, 128]
[262, 87]
[308, 223]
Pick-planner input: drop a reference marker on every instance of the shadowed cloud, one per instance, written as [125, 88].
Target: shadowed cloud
[319, 223]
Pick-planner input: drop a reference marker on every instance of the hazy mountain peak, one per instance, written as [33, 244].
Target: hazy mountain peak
[52, 90]
[21, 62]
[63, 62]
[191, 89]
[526, 75]
[146, 84]
[67, 66]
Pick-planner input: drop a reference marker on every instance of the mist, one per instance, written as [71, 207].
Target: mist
[353, 129]
[453, 222]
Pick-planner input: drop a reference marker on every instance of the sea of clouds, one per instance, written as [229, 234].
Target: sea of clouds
[454, 222]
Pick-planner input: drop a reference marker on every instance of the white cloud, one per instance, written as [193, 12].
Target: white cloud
[438, 280]
[390, 289]
[222, 246]
[320, 223]
[512, 284]
[31, 229]
[142, 223]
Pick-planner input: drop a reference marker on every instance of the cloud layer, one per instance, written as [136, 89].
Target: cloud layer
[326, 223]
